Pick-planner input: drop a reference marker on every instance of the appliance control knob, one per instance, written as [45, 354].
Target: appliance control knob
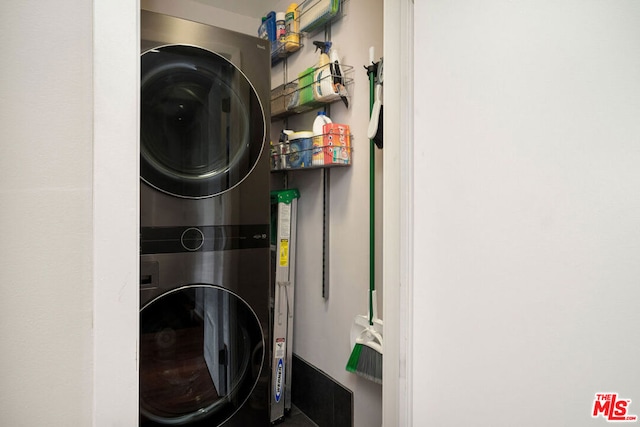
[192, 239]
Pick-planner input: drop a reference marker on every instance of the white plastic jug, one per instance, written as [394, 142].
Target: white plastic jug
[318, 138]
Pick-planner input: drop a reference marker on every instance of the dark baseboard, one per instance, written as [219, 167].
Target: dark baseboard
[326, 402]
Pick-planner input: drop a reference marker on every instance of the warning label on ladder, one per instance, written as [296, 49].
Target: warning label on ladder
[280, 348]
[284, 252]
[285, 221]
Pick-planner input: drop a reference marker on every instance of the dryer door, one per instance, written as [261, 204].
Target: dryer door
[201, 352]
[202, 127]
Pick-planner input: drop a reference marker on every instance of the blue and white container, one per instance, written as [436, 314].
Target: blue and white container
[271, 29]
[300, 150]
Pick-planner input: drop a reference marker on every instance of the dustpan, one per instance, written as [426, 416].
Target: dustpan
[365, 332]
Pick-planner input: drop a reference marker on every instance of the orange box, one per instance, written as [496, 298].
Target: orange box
[337, 144]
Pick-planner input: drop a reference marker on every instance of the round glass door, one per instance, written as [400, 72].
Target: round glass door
[201, 353]
[202, 127]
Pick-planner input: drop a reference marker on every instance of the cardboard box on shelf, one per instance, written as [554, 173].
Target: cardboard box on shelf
[337, 144]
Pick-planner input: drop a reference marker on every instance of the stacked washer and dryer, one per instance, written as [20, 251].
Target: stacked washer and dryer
[204, 225]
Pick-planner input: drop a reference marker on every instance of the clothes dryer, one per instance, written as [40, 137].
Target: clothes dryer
[204, 225]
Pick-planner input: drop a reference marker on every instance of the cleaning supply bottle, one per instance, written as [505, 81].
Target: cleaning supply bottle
[319, 146]
[274, 155]
[271, 29]
[322, 79]
[281, 29]
[300, 149]
[284, 148]
[262, 30]
[292, 36]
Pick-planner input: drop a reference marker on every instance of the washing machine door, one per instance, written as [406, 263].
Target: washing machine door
[202, 126]
[201, 352]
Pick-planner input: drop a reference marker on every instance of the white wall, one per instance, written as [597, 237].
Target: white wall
[526, 211]
[321, 328]
[53, 325]
[45, 188]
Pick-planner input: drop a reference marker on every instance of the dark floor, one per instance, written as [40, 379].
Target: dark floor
[297, 419]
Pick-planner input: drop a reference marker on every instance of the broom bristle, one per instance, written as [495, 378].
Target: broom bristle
[352, 364]
[366, 362]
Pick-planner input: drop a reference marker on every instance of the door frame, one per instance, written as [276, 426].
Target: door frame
[397, 392]
[116, 177]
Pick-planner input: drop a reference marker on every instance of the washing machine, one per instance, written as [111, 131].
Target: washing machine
[204, 225]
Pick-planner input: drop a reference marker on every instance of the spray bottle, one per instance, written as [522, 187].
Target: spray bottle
[322, 79]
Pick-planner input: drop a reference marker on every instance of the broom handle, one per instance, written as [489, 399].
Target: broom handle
[371, 71]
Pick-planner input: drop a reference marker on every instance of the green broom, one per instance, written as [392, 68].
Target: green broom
[366, 357]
